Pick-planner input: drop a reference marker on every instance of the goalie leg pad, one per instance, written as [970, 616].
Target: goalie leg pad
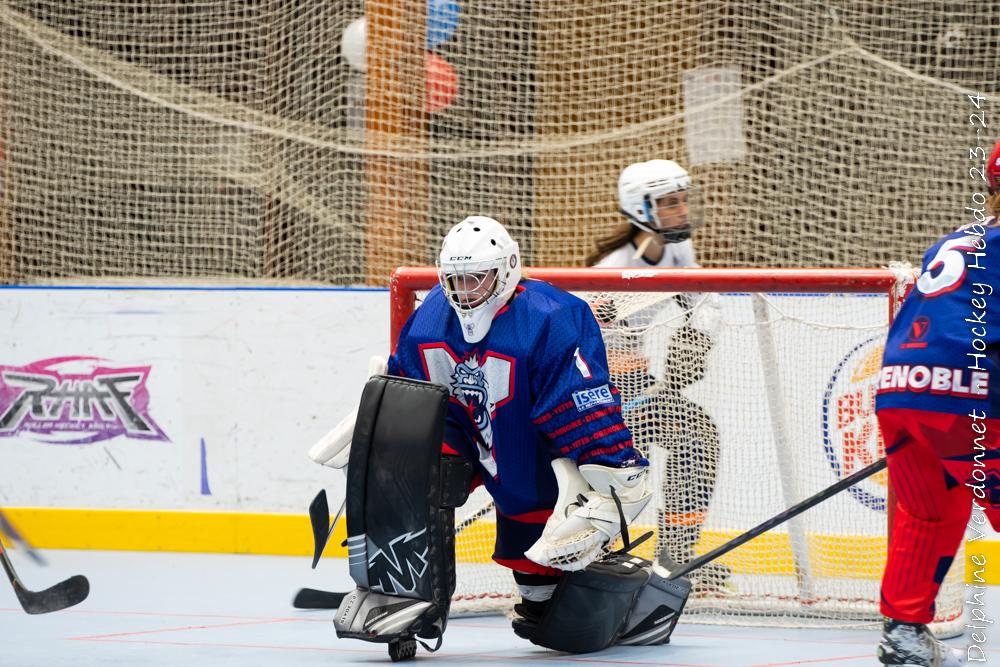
[588, 608]
[376, 617]
[618, 600]
[400, 521]
[656, 611]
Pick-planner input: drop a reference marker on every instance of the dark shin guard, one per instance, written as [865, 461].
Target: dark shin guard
[400, 514]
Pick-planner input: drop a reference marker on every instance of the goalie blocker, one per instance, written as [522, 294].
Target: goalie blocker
[400, 515]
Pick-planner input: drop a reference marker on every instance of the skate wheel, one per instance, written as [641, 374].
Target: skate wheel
[402, 649]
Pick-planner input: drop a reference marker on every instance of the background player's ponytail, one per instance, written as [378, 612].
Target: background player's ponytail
[621, 235]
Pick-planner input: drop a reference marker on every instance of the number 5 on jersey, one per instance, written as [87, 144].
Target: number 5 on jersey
[951, 261]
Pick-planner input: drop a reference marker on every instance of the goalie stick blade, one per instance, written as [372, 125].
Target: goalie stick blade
[63, 595]
[310, 598]
[319, 519]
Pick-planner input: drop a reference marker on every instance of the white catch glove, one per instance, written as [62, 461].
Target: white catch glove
[575, 534]
[334, 448]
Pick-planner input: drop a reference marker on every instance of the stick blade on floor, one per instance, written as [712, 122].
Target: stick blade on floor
[310, 598]
[63, 595]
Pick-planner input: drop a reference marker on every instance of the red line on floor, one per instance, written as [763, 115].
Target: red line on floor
[165, 614]
[180, 629]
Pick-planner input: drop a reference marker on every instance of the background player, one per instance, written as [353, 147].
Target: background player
[937, 408]
[531, 405]
[659, 204]
[654, 197]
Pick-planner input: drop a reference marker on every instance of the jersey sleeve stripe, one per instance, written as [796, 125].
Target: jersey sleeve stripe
[559, 409]
[603, 451]
[598, 435]
[586, 419]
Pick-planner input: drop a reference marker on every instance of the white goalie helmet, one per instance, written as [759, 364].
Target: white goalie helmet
[640, 188]
[479, 269]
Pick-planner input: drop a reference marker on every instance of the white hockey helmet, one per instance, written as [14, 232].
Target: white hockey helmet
[479, 268]
[642, 184]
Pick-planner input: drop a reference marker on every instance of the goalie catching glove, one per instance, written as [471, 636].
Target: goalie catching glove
[334, 448]
[586, 518]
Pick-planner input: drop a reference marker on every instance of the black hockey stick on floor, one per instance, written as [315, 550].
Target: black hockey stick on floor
[779, 519]
[310, 598]
[64, 594]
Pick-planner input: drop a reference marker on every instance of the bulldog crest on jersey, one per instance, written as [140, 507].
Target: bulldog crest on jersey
[478, 384]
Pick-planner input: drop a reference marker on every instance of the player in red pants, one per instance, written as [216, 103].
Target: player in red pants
[938, 407]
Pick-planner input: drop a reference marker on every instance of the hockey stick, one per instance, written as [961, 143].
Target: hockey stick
[319, 519]
[310, 598]
[14, 535]
[779, 519]
[64, 594]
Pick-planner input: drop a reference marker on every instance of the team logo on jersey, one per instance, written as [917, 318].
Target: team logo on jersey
[918, 331]
[851, 436]
[76, 401]
[480, 384]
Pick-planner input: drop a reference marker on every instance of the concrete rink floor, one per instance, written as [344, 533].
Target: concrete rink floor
[154, 609]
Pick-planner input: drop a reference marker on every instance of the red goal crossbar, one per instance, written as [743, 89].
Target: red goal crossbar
[405, 282]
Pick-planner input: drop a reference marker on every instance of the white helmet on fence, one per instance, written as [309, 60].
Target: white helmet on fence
[479, 268]
[642, 184]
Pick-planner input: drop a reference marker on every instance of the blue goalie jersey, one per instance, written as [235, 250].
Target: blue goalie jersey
[942, 352]
[534, 389]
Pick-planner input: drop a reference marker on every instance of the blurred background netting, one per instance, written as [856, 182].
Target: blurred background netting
[233, 139]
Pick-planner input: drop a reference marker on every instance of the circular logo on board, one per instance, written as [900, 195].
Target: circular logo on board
[851, 437]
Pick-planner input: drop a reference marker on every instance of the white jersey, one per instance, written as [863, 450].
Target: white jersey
[653, 342]
[675, 256]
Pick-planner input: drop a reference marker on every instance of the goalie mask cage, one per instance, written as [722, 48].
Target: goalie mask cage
[749, 390]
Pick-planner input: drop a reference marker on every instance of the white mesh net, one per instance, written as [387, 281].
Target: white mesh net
[230, 138]
[747, 404]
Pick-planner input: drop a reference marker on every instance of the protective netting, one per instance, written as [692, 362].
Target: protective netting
[230, 138]
[747, 404]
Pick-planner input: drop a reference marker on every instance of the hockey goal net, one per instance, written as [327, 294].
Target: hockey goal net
[749, 390]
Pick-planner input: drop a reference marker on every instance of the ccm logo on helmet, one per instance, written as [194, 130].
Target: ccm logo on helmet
[463, 258]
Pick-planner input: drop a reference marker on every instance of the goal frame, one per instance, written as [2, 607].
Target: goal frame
[406, 281]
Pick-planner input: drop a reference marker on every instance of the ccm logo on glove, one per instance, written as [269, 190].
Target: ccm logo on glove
[588, 398]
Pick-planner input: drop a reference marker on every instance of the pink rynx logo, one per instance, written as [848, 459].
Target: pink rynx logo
[76, 401]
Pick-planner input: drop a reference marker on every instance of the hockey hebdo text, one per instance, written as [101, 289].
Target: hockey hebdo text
[977, 620]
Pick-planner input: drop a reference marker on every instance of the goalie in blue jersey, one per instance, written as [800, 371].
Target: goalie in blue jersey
[531, 408]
